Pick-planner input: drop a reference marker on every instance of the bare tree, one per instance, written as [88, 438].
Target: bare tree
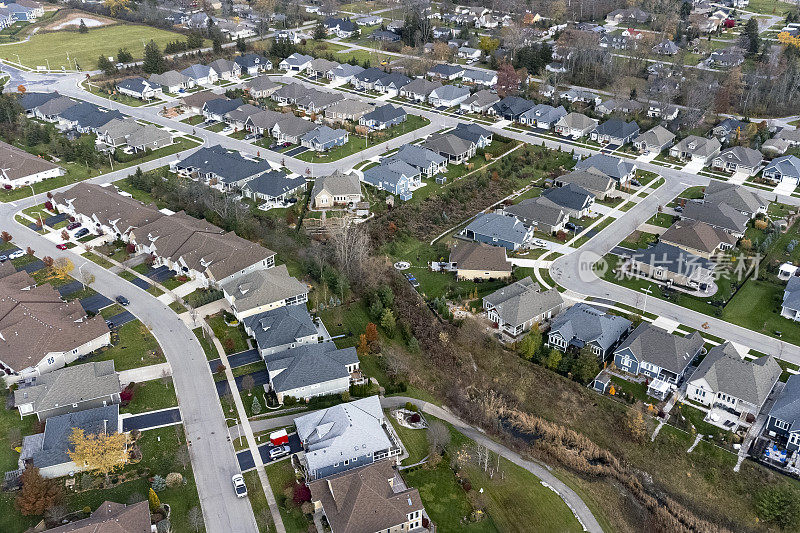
[438, 437]
[195, 518]
[182, 456]
[351, 247]
[248, 383]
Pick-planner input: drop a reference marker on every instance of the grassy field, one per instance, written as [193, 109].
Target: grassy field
[281, 476]
[135, 348]
[64, 48]
[150, 396]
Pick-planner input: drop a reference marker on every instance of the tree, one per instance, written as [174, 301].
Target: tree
[216, 43]
[62, 266]
[301, 493]
[47, 261]
[6, 236]
[388, 322]
[38, 494]
[82, 27]
[241, 45]
[363, 346]
[553, 359]
[115, 7]
[101, 452]
[124, 56]
[182, 456]
[256, 405]
[637, 427]
[531, 343]
[586, 366]
[153, 62]
[159, 483]
[248, 383]
[30, 251]
[64, 235]
[371, 333]
[319, 32]
[507, 80]
[438, 437]
[779, 506]
[195, 518]
[155, 502]
[488, 44]
[753, 38]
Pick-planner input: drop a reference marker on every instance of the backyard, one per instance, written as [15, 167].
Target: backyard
[135, 347]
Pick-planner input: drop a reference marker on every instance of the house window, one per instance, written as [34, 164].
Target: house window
[780, 424]
[346, 462]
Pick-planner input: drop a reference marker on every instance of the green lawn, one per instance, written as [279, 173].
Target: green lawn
[638, 240]
[208, 348]
[350, 320]
[218, 127]
[194, 120]
[258, 501]
[662, 220]
[177, 307]
[150, 396]
[11, 423]
[123, 99]
[414, 440]
[102, 261]
[64, 48]
[224, 332]
[136, 347]
[281, 476]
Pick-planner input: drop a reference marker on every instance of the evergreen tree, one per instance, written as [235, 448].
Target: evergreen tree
[124, 56]
[531, 344]
[319, 32]
[241, 46]
[82, 27]
[155, 502]
[153, 59]
[216, 42]
[256, 405]
[585, 366]
[751, 32]
[105, 64]
[159, 483]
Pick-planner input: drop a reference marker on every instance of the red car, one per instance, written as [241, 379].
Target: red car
[61, 246]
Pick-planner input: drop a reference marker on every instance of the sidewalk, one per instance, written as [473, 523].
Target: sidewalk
[145, 373]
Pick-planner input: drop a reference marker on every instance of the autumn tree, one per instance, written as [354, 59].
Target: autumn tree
[37, 494]
[6, 236]
[115, 7]
[47, 261]
[363, 346]
[30, 251]
[531, 343]
[103, 453]
[155, 501]
[507, 80]
[371, 333]
[64, 235]
[62, 266]
[488, 44]
[441, 51]
[636, 425]
[248, 383]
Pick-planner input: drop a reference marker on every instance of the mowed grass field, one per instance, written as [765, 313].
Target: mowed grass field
[85, 48]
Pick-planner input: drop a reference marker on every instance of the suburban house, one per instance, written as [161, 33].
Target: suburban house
[467, 52]
[296, 62]
[314, 101]
[724, 379]
[539, 214]
[324, 138]
[377, 499]
[654, 140]
[670, 265]
[576, 201]
[473, 133]
[790, 307]
[391, 83]
[321, 67]
[579, 95]
[69, 389]
[273, 186]
[383, 117]
[281, 328]
[615, 105]
[238, 117]
[252, 64]
[454, 148]
[149, 137]
[512, 107]
[365, 80]
[109, 516]
[620, 170]
[200, 74]
[344, 437]
[263, 290]
[659, 355]
[790, 135]
[730, 57]
[289, 93]
[139, 88]
[48, 451]
[738, 159]
[225, 69]
[480, 102]
[486, 78]
[721, 216]
[347, 110]
[592, 180]
[262, 122]
[774, 147]
[172, 81]
[698, 238]
[29, 314]
[194, 102]
[340, 27]
[336, 189]
[667, 112]
[395, 177]
[310, 370]
[784, 168]
[31, 100]
[583, 325]
[741, 198]
[217, 109]
[446, 71]
[428, 162]
[448, 96]
[543, 116]
[694, 148]
[21, 169]
[633, 15]
[116, 132]
[666, 48]
[220, 168]
[344, 73]
[498, 230]
[784, 417]
[385, 36]
[516, 308]
[476, 260]
[419, 89]
[291, 129]
[615, 131]
[575, 125]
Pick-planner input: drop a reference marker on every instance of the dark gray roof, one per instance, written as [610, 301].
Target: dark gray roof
[88, 115]
[722, 216]
[741, 155]
[385, 113]
[220, 106]
[673, 259]
[591, 179]
[546, 113]
[136, 84]
[725, 371]
[536, 211]
[582, 324]
[274, 183]
[787, 165]
[513, 105]
[617, 128]
[280, 326]
[570, 196]
[309, 364]
[471, 132]
[417, 156]
[737, 196]
[31, 100]
[446, 70]
[499, 226]
[523, 300]
[230, 167]
[607, 164]
[324, 135]
[394, 78]
[787, 406]
[791, 294]
[448, 144]
[655, 345]
[250, 60]
[370, 75]
[69, 385]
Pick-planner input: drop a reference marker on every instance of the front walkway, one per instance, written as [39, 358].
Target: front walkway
[144, 373]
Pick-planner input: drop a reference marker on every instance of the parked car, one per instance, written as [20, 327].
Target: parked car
[679, 209]
[3, 258]
[122, 300]
[570, 226]
[109, 324]
[73, 225]
[62, 246]
[238, 485]
[539, 242]
[16, 254]
[279, 451]
[83, 232]
[227, 130]
[636, 183]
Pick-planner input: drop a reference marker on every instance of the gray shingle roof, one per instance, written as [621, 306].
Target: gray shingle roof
[787, 406]
[523, 300]
[570, 196]
[450, 92]
[309, 364]
[417, 156]
[722, 216]
[741, 155]
[280, 326]
[471, 132]
[323, 135]
[274, 183]
[500, 227]
[263, 287]
[607, 164]
[446, 70]
[673, 259]
[448, 144]
[337, 184]
[582, 324]
[737, 196]
[725, 371]
[657, 136]
[230, 167]
[655, 345]
[791, 294]
[385, 113]
[70, 385]
[617, 128]
[536, 211]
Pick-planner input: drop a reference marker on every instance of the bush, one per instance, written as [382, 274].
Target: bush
[415, 418]
[158, 484]
[289, 401]
[411, 407]
[301, 493]
[174, 479]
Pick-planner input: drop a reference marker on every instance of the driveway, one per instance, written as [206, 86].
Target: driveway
[295, 151]
[245, 458]
[238, 359]
[152, 419]
[785, 187]
[96, 302]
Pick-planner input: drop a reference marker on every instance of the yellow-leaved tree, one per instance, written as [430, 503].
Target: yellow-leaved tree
[115, 7]
[103, 452]
[61, 267]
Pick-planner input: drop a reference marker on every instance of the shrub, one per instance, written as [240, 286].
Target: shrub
[411, 407]
[301, 493]
[159, 483]
[415, 418]
[174, 479]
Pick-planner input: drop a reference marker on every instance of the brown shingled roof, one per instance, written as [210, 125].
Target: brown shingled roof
[479, 256]
[697, 235]
[111, 517]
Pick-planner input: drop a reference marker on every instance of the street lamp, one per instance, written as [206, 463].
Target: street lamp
[33, 193]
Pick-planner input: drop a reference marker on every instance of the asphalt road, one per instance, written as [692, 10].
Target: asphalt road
[212, 454]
